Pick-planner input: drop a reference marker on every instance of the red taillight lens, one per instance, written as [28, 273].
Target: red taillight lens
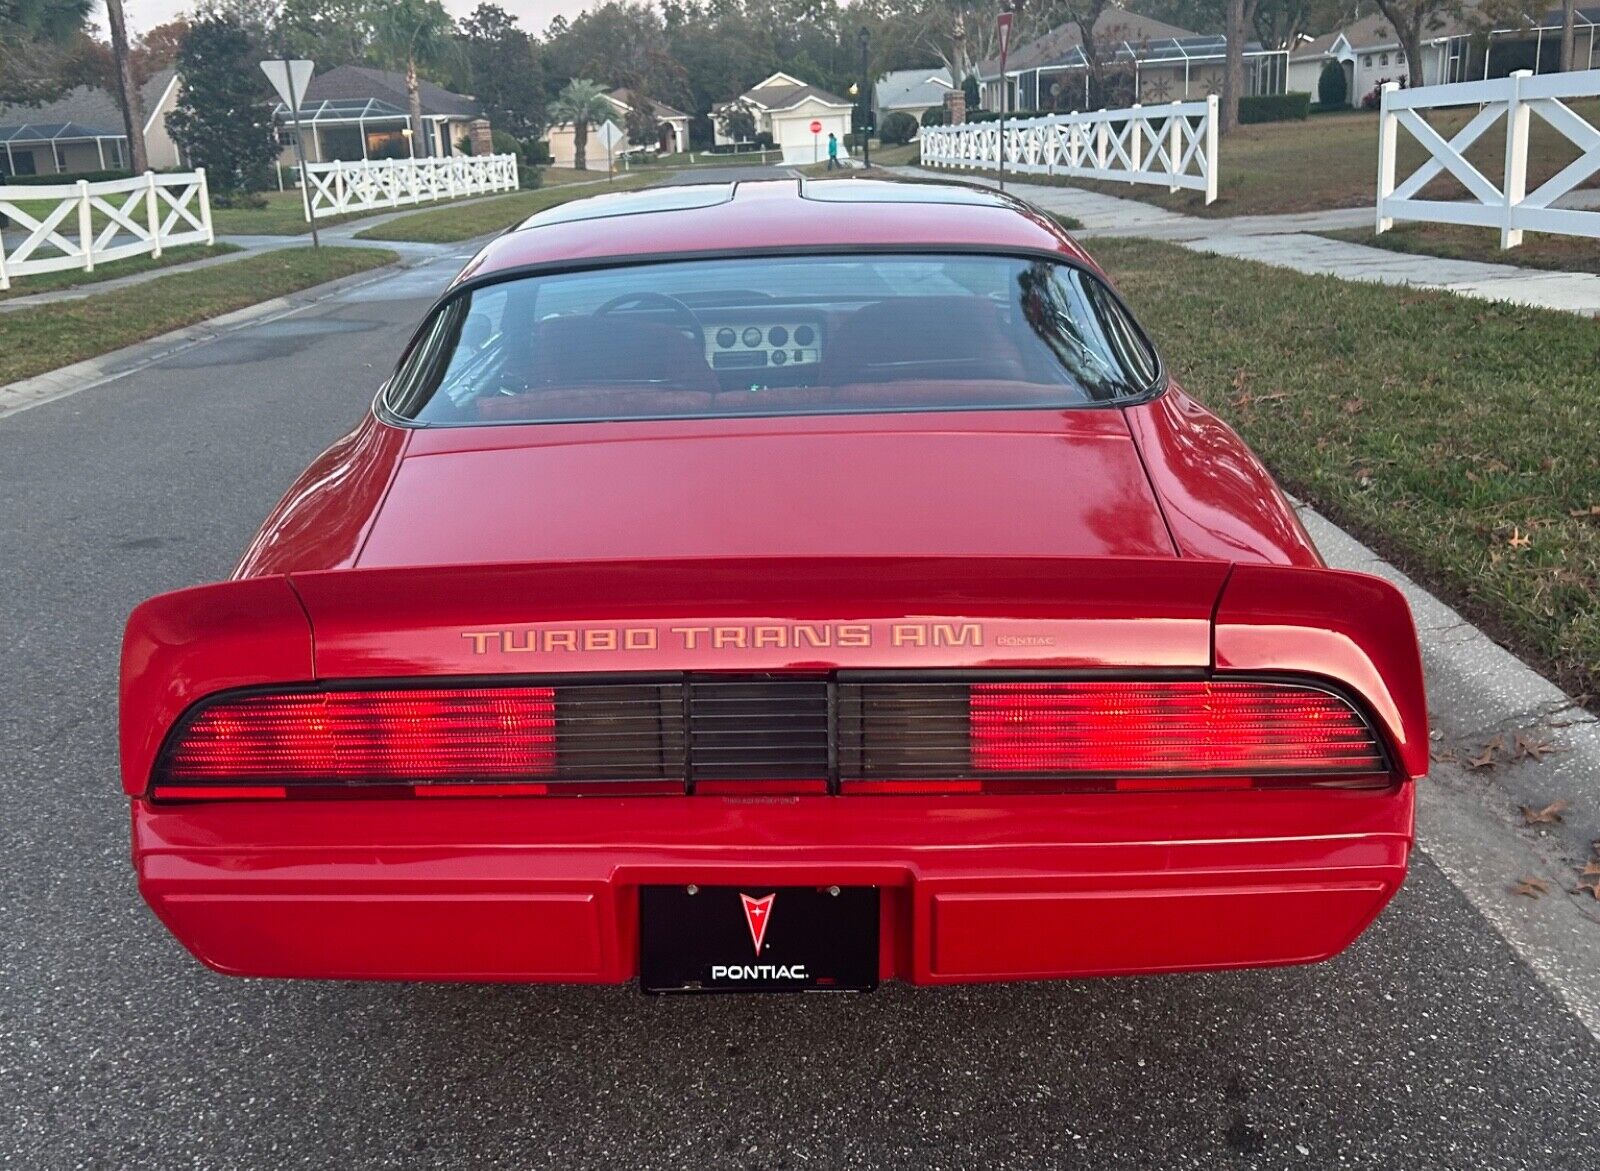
[1176, 728]
[384, 736]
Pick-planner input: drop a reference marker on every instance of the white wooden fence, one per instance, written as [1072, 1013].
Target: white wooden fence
[1510, 206]
[83, 225]
[1172, 146]
[340, 188]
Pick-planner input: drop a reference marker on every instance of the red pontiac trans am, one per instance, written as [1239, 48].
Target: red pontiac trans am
[778, 585]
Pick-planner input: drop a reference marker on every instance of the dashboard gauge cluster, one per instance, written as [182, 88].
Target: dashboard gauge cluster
[762, 345]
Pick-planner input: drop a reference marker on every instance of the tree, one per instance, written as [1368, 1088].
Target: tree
[1241, 15]
[1569, 35]
[503, 70]
[581, 104]
[328, 32]
[127, 88]
[35, 37]
[1333, 89]
[644, 128]
[223, 120]
[1411, 18]
[737, 121]
[411, 35]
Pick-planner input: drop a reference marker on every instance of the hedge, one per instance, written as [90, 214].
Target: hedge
[59, 180]
[1274, 108]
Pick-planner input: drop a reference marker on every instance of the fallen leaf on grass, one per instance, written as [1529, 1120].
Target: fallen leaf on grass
[1518, 539]
[1352, 406]
[1592, 889]
[1549, 815]
[1581, 513]
[1531, 887]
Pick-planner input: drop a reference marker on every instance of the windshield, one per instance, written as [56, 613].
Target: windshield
[775, 336]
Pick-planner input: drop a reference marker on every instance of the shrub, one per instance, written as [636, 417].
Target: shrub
[1332, 88]
[897, 128]
[59, 180]
[1011, 115]
[764, 141]
[536, 152]
[933, 116]
[1274, 108]
[503, 142]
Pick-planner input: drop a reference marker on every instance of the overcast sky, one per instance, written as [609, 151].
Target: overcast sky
[534, 14]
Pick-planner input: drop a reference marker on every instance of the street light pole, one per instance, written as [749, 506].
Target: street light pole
[300, 150]
[865, 38]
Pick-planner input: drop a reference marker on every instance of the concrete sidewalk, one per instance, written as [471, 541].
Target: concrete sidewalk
[1287, 241]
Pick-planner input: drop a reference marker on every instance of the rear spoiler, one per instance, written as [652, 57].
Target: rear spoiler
[1107, 615]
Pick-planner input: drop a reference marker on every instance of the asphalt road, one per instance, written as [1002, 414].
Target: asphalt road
[1428, 1044]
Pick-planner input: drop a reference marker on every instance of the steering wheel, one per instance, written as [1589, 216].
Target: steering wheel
[647, 297]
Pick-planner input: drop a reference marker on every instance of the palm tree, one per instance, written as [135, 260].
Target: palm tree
[581, 103]
[408, 34]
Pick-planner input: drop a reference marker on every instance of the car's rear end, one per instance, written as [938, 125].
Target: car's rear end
[944, 771]
[842, 593]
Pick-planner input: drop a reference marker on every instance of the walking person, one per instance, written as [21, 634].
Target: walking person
[833, 151]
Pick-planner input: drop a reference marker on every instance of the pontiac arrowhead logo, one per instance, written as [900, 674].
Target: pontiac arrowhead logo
[757, 912]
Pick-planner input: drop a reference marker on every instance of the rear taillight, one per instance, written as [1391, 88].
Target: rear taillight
[1164, 729]
[379, 736]
[771, 736]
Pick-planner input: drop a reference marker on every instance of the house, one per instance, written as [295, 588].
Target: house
[1370, 54]
[1454, 48]
[1149, 60]
[354, 112]
[674, 131]
[910, 91]
[82, 132]
[674, 123]
[787, 108]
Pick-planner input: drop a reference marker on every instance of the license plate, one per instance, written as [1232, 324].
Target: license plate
[758, 938]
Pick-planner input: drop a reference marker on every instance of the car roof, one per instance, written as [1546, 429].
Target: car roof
[780, 214]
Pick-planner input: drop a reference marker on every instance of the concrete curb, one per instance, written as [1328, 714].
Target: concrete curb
[1468, 817]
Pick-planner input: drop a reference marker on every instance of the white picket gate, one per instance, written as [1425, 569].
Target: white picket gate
[1510, 206]
[1172, 146]
[339, 188]
[90, 224]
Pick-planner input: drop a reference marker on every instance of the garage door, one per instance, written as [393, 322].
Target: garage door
[793, 136]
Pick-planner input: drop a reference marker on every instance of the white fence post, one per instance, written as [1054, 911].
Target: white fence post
[205, 206]
[1388, 132]
[85, 225]
[1514, 188]
[1136, 125]
[1174, 146]
[152, 211]
[1213, 161]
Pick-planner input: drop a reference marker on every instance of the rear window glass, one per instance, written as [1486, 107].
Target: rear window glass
[775, 336]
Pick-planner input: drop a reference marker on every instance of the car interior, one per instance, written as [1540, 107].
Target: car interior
[729, 351]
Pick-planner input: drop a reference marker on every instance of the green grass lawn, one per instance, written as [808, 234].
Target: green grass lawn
[1457, 436]
[1331, 161]
[1537, 250]
[283, 215]
[44, 338]
[450, 223]
[49, 282]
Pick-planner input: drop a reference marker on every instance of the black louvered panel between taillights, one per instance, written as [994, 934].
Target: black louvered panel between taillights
[903, 729]
[767, 728]
[620, 732]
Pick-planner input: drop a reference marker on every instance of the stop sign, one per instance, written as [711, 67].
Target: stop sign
[816, 127]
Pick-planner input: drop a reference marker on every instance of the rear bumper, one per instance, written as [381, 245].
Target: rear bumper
[974, 889]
